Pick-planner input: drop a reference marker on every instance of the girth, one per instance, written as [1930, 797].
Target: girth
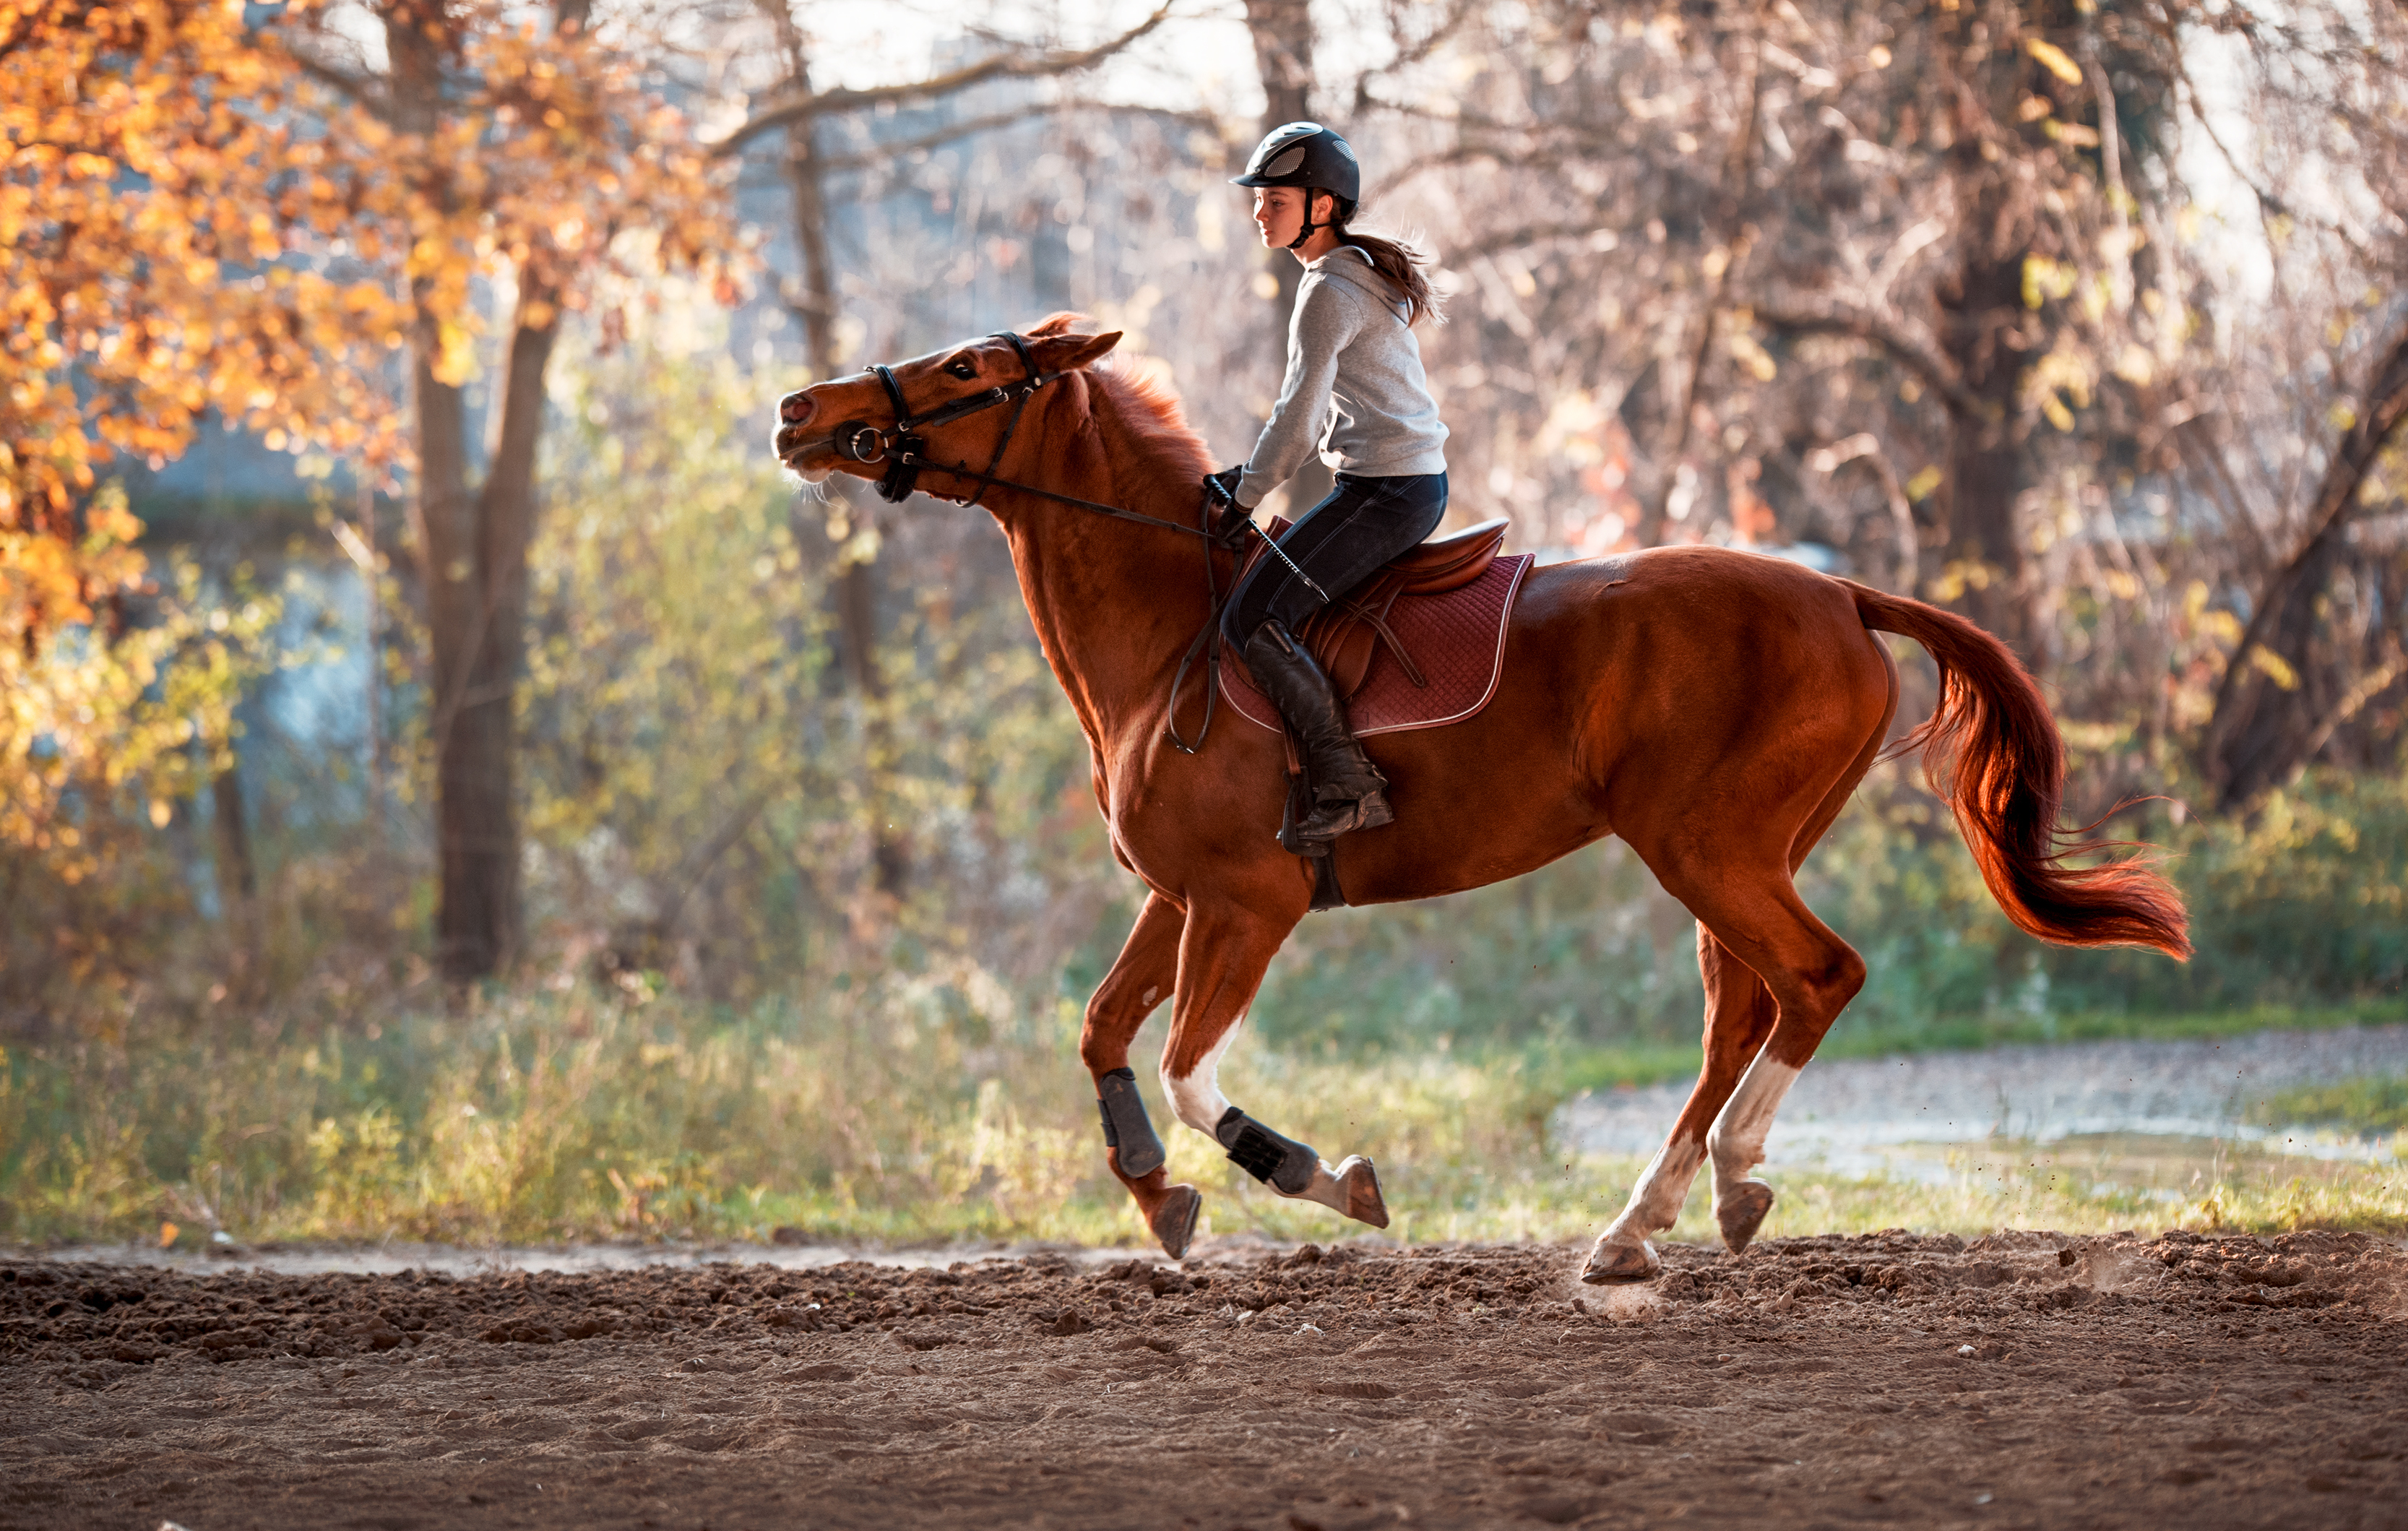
[1343, 637]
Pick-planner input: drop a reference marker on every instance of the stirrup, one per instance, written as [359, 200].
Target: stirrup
[1328, 821]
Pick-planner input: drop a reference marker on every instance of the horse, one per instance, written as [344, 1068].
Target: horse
[1712, 707]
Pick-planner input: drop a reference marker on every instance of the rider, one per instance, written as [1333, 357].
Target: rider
[1355, 388]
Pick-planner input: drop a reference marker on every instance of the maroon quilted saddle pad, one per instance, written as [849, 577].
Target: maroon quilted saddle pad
[1453, 638]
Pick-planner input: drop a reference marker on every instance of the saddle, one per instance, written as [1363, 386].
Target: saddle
[1344, 637]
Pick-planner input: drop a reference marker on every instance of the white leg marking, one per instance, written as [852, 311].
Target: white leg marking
[1153, 992]
[1196, 1099]
[1654, 1202]
[1736, 1140]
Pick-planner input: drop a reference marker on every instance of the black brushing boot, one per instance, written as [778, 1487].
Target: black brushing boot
[1349, 791]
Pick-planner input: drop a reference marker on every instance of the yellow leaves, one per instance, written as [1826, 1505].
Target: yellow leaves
[455, 361]
[2053, 59]
[2065, 370]
[2274, 666]
[2045, 279]
[1919, 488]
[1747, 351]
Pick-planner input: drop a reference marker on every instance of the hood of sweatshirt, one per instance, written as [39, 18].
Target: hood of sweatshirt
[1350, 266]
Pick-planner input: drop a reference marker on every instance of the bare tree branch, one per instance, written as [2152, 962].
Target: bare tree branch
[972, 126]
[1909, 350]
[816, 103]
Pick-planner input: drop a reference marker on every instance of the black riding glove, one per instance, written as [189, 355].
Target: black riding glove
[1220, 490]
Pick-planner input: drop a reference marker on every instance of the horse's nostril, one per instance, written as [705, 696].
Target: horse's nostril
[795, 409]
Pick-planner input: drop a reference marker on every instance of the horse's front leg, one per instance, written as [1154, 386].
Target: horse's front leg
[1223, 954]
[1143, 975]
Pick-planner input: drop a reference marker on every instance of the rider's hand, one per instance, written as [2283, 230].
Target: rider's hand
[1221, 488]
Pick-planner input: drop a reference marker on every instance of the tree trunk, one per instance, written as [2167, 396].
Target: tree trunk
[1283, 33]
[473, 551]
[1986, 567]
[479, 919]
[856, 581]
[2278, 701]
[237, 879]
[1987, 573]
[1739, 162]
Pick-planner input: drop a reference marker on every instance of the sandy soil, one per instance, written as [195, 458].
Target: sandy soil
[2022, 1380]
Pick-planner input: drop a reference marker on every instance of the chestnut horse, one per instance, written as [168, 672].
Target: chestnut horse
[1712, 708]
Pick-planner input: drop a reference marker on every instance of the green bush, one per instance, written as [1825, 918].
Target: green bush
[2302, 908]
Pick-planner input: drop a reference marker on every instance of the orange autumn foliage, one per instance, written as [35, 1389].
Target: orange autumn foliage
[197, 221]
[160, 166]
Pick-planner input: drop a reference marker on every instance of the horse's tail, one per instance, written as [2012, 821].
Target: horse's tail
[1993, 750]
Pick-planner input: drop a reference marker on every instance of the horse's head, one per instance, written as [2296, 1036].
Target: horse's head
[954, 407]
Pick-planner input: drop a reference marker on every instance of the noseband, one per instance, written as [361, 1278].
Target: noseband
[902, 448]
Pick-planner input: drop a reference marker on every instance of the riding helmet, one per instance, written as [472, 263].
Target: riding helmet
[1308, 155]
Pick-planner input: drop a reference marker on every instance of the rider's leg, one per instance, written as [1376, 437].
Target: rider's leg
[1340, 543]
[1349, 791]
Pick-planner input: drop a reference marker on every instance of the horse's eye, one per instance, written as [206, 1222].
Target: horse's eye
[963, 369]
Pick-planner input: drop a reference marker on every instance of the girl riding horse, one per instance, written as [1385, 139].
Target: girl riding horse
[1355, 386]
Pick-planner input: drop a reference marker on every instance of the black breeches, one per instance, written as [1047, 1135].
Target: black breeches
[1340, 542]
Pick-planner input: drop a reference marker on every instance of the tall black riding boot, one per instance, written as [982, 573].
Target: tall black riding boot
[1349, 793]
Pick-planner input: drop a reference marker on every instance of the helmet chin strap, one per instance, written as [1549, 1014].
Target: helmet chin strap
[1311, 228]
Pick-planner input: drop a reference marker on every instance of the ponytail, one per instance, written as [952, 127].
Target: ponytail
[1400, 263]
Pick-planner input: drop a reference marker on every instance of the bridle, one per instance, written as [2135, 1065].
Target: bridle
[903, 449]
[902, 446]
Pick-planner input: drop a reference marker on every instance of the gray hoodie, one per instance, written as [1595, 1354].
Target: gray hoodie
[1354, 381]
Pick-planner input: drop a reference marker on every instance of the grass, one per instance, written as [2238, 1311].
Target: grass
[2367, 1107]
[936, 1108]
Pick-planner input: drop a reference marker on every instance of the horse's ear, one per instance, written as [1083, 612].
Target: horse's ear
[1054, 324]
[1070, 353]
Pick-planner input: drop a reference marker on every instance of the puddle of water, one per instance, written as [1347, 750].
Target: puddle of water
[2164, 1167]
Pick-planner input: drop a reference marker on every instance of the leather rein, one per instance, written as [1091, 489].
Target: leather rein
[903, 449]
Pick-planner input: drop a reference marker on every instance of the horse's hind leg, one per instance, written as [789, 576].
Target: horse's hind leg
[1740, 1014]
[1223, 955]
[1147, 967]
[1812, 974]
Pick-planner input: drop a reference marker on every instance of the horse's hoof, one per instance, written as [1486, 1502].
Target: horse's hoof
[1361, 1184]
[1618, 1265]
[1740, 1212]
[1173, 1219]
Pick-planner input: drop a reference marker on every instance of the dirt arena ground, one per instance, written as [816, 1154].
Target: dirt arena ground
[2026, 1380]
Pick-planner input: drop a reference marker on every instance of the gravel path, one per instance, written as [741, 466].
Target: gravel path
[1841, 1111]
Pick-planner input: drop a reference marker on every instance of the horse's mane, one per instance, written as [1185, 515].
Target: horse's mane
[1145, 403]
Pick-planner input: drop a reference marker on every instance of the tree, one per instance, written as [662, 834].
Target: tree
[542, 158]
[793, 107]
[2281, 699]
[167, 168]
